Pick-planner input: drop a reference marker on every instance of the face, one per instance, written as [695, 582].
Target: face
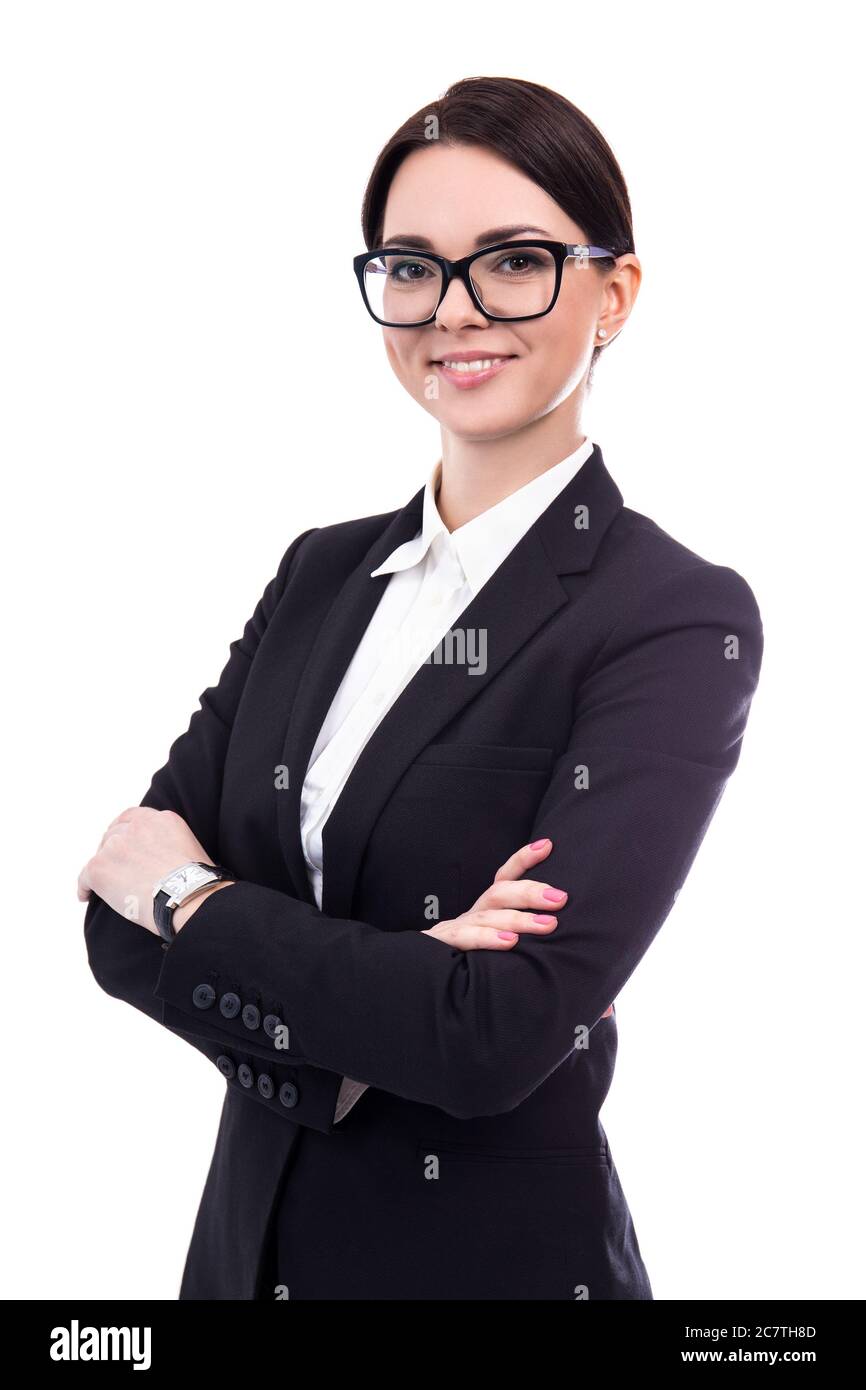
[444, 199]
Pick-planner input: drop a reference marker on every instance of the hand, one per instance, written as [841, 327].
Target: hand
[139, 847]
[511, 905]
[495, 921]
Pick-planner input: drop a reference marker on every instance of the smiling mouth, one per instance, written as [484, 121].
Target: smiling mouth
[478, 364]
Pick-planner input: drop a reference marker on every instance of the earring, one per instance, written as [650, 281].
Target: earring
[602, 332]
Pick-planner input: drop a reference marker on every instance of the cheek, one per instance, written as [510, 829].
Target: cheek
[550, 367]
[392, 352]
[558, 359]
[408, 366]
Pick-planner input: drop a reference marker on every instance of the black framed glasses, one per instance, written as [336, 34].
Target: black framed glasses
[507, 282]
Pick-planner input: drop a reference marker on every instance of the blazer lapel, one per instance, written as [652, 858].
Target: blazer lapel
[521, 595]
[339, 632]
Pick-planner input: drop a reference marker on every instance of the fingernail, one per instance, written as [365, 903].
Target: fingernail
[507, 935]
[544, 918]
[553, 894]
[539, 844]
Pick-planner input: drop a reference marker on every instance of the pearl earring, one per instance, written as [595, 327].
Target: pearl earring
[602, 332]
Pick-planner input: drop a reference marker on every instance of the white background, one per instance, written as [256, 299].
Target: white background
[168, 361]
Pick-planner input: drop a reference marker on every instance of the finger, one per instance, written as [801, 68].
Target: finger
[493, 930]
[84, 884]
[117, 827]
[510, 920]
[126, 817]
[524, 858]
[464, 937]
[521, 893]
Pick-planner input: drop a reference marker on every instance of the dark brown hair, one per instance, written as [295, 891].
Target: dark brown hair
[541, 133]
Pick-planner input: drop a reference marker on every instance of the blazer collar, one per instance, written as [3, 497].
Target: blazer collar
[480, 545]
[520, 596]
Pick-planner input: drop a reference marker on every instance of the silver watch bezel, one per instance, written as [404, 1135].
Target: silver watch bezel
[207, 874]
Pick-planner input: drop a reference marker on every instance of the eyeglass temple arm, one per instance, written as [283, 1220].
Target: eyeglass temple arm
[585, 253]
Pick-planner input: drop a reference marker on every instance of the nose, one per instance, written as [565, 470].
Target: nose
[457, 309]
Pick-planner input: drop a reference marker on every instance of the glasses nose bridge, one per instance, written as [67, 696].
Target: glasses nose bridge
[459, 271]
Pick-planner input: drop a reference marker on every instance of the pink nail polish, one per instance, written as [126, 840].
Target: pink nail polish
[544, 918]
[553, 894]
[539, 844]
[507, 935]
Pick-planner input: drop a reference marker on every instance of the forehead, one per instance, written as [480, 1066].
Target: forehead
[450, 194]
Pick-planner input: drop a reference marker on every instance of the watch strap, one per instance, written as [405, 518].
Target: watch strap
[163, 913]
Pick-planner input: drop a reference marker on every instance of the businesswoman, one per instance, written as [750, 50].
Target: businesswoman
[416, 839]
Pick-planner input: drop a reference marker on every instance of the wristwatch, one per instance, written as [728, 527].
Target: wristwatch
[179, 887]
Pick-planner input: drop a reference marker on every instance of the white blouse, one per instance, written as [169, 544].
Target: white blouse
[435, 577]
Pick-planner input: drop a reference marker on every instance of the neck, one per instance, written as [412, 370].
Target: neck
[478, 473]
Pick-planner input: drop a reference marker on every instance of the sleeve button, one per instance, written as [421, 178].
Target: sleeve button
[251, 1017]
[271, 1023]
[226, 1066]
[288, 1095]
[265, 1084]
[230, 1005]
[245, 1075]
[203, 996]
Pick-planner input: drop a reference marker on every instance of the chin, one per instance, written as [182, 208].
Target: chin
[484, 422]
[482, 431]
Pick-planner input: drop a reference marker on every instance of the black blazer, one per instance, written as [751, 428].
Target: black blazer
[620, 670]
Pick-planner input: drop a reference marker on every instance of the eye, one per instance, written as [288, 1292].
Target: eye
[518, 263]
[409, 272]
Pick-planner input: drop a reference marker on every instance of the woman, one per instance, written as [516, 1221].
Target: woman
[450, 781]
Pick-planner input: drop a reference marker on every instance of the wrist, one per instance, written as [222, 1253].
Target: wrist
[182, 914]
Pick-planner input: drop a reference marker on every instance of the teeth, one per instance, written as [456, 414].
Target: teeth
[481, 364]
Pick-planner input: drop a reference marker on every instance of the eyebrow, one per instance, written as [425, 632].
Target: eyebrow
[488, 238]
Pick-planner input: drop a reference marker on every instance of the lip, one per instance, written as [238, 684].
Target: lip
[465, 381]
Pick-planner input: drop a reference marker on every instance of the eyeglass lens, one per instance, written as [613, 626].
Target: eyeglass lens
[404, 288]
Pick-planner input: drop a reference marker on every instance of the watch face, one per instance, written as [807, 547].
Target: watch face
[183, 880]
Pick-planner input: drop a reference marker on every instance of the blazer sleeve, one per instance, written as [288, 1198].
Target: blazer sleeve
[658, 725]
[125, 959]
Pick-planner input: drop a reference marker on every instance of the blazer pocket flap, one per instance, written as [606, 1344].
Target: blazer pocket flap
[496, 755]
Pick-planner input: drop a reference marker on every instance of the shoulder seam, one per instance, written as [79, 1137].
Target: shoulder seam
[634, 611]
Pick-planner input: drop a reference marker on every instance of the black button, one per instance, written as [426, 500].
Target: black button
[251, 1016]
[203, 996]
[265, 1084]
[271, 1023]
[288, 1095]
[245, 1075]
[226, 1066]
[230, 1005]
